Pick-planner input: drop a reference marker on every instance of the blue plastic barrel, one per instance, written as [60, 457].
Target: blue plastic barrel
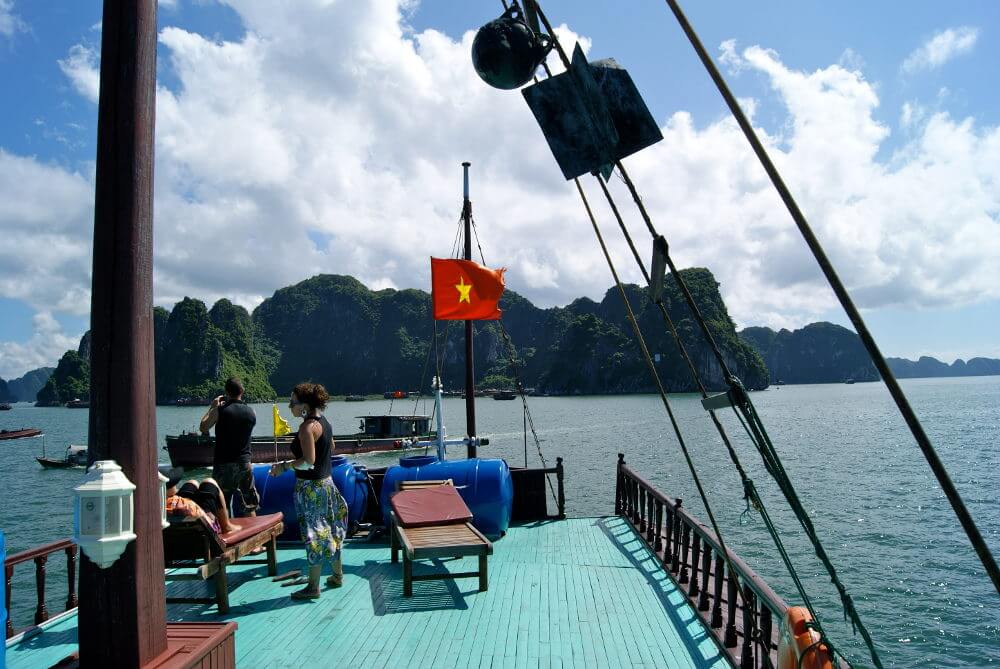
[277, 492]
[484, 484]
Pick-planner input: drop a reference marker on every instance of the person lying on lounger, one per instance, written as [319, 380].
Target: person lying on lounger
[199, 500]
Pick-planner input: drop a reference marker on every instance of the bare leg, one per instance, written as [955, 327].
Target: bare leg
[311, 591]
[337, 578]
[223, 514]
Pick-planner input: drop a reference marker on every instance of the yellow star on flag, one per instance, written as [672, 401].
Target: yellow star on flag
[463, 290]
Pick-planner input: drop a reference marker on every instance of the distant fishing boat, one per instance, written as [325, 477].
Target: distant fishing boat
[849, 381]
[5, 407]
[77, 403]
[192, 402]
[395, 394]
[75, 456]
[504, 395]
[19, 434]
[354, 398]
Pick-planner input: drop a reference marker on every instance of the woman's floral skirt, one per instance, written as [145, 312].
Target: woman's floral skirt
[322, 514]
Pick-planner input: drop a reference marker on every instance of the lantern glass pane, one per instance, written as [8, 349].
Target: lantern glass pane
[90, 516]
[126, 513]
[112, 515]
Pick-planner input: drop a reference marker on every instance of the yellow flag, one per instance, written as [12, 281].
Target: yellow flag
[281, 425]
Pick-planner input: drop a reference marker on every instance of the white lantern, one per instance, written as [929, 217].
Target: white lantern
[163, 500]
[102, 522]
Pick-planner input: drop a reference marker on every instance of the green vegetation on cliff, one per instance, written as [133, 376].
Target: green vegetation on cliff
[334, 330]
[817, 353]
[70, 381]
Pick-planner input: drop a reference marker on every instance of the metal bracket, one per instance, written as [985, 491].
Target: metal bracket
[716, 402]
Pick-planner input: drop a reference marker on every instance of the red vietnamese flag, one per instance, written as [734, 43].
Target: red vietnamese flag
[463, 290]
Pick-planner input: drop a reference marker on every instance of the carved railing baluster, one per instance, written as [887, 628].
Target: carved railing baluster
[766, 632]
[658, 539]
[668, 539]
[694, 588]
[642, 510]
[651, 519]
[706, 567]
[685, 540]
[41, 613]
[675, 556]
[731, 587]
[8, 573]
[749, 625]
[720, 571]
[71, 600]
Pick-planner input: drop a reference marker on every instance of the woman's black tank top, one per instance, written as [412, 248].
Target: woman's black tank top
[324, 449]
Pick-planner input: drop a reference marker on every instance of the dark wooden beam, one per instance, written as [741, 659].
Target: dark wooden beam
[122, 609]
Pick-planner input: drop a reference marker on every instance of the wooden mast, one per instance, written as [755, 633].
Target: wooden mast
[122, 620]
[470, 379]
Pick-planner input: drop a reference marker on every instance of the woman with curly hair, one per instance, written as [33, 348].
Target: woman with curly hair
[321, 510]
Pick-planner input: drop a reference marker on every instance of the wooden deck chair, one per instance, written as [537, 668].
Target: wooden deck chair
[430, 520]
[194, 544]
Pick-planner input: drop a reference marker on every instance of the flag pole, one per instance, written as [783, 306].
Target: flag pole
[470, 383]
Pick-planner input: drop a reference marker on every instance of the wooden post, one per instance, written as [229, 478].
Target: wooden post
[731, 587]
[618, 486]
[658, 543]
[694, 589]
[720, 577]
[122, 619]
[561, 499]
[685, 542]
[746, 652]
[706, 567]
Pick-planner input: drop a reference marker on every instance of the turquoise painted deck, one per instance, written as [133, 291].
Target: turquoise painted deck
[575, 593]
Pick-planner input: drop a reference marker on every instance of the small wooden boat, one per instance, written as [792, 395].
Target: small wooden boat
[19, 434]
[76, 456]
[354, 398]
[77, 404]
[5, 407]
[504, 395]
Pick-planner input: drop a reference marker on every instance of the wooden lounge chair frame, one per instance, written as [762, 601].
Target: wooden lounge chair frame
[436, 541]
[194, 544]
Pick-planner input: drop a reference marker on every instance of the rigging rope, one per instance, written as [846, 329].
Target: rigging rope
[957, 504]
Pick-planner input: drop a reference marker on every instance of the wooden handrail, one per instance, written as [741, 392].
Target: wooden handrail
[40, 556]
[739, 608]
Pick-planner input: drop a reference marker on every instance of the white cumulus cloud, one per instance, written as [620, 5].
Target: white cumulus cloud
[47, 344]
[941, 48]
[81, 67]
[10, 22]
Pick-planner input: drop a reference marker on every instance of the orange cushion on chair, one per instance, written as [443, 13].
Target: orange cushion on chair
[420, 507]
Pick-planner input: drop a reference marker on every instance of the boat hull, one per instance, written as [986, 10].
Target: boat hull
[194, 451]
[19, 434]
[51, 463]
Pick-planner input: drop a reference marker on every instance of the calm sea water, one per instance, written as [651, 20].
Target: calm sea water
[881, 515]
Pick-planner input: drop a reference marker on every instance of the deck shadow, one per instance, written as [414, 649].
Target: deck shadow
[385, 583]
[642, 559]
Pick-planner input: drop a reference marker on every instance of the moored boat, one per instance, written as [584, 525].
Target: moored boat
[77, 403]
[19, 434]
[5, 407]
[354, 398]
[395, 394]
[504, 395]
[376, 433]
[75, 456]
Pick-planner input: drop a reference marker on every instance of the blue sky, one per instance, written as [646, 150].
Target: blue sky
[305, 137]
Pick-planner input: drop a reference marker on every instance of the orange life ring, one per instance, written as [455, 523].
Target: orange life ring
[798, 645]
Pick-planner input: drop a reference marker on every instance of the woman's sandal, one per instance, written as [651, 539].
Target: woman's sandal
[305, 593]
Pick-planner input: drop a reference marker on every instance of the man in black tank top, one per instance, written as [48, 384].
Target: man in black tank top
[234, 421]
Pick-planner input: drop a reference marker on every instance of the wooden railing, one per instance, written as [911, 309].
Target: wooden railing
[40, 556]
[742, 611]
